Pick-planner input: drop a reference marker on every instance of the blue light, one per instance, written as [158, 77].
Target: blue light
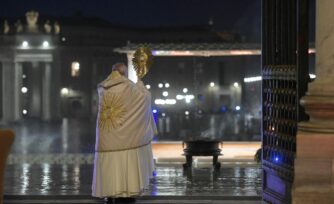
[154, 191]
[154, 110]
[223, 109]
[155, 138]
[276, 159]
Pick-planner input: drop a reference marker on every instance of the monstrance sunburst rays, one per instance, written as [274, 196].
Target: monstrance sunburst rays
[112, 112]
[142, 61]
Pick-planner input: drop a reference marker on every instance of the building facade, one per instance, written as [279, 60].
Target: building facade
[50, 68]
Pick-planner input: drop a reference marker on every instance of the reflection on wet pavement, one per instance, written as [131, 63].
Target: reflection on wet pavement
[56, 159]
[171, 180]
[236, 181]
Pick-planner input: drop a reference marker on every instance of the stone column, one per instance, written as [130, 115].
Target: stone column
[8, 91]
[55, 102]
[314, 164]
[17, 91]
[35, 107]
[131, 73]
[46, 92]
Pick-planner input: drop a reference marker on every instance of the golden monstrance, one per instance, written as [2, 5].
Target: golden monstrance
[142, 61]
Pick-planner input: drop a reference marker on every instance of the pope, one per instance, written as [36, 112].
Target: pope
[125, 127]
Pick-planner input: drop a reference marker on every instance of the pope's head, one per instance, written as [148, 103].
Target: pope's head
[121, 68]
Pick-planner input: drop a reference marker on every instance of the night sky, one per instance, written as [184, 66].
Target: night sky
[227, 15]
[238, 16]
[136, 12]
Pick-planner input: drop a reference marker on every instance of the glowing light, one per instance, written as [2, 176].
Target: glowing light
[236, 84]
[24, 90]
[190, 97]
[76, 66]
[24, 112]
[313, 76]
[45, 44]
[167, 85]
[25, 44]
[154, 110]
[181, 53]
[163, 114]
[244, 52]
[259, 78]
[311, 50]
[63, 39]
[160, 85]
[252, 79]
[179, 97]
[186, 112]
[158, 52]
[75, 69]
[170, 101]
[212, 84]
[165, 101]
[165, 93]
[187, 98]
[64, 91]
[205, 52]
[185, 90]
[24, 76]
[148, 86]
[276, 159]
[159, 101]
[237, 108]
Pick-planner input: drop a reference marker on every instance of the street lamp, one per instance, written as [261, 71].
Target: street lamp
[25, 44]
[64, 91]
[45, 44]
[24, 112]
[24, 89]
[165, 93]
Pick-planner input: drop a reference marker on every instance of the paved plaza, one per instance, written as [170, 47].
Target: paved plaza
[50, 164]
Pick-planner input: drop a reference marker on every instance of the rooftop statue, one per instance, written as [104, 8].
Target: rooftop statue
[6, 27]
[47, 27]
[56, 27]
[19, 26]
[32, 18]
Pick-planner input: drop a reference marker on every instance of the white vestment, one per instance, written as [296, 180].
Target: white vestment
[125, 127]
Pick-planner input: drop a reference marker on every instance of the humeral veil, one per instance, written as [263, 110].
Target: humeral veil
[124, 130]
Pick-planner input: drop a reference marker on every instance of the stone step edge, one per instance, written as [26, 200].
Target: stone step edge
[85, 197]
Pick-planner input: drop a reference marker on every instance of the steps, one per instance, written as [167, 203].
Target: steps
[79, 199]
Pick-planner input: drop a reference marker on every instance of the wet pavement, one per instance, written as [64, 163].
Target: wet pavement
[54, 160]
[169, 180]
[66, 183]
